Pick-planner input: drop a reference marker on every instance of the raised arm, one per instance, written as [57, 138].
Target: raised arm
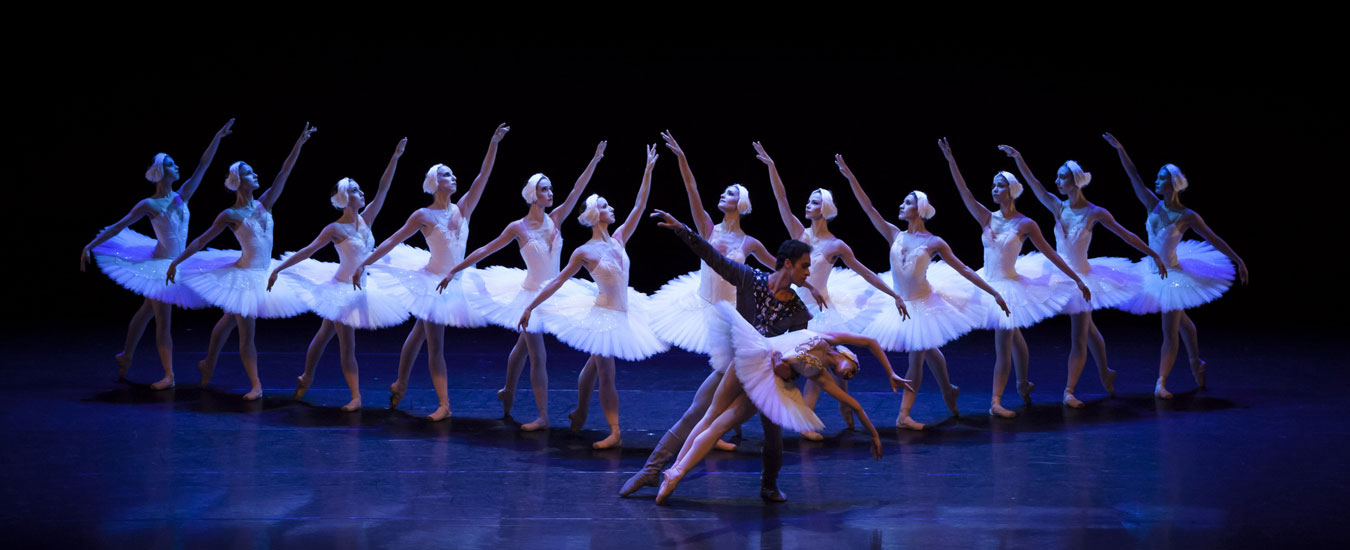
[1051, 203]
[826, 382]
[560, 213]
[756, 250]
[1200, 227]
[137, 212]
[190, 186]
[965, 271]
[1109, 222]
[573, 266]
[414, 223]
[467, 202]
[794, 226]
[630, 224]
[734, 272]
[325, 237]
[484, 251]
[976, 209]
[897, 383]
[845, 253]
[221, 222]
[373, 207]
[270, 197]
[887, 229]
[702, 220]
[1033, 232]
[1141, 189]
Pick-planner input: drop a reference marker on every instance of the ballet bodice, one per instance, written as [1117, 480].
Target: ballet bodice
[909, 266]
[447, 239]
[1073, 234]
[254, 233]
[712, 287]
[820, 263]
[611, 275]
[1164, 232]
[806, 350]
[353, 250]
[1001, 247]
[542, 252]
[170, 222]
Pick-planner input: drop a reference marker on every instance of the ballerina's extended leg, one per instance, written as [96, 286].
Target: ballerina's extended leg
[163, 342]
[609, 402]
[1191, 339]
[412, 345]
[915, 373]
[538, 354]
[221, 331]
[135, 330]
[312, 355]
[1097, 347]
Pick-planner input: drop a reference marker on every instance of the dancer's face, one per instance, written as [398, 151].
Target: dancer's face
[1064, 180]
[356, 198]
[606, 212]
[1163, 185]
[170, 168]
[445, 180]
[730, 199]
[248, 179]
[813, 206]
[798, 269]
[1002, 190]
[543, 193]
[909, 209]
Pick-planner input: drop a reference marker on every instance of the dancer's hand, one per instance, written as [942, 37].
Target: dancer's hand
[599, 151]
[898, 384]
[225, 130]
[170, 273]
[666, 220]
[1003, 305]
[761, 155]
[815, 295]
[440, 288]
[1162, 268]
[500, 133]
[946, 148]
[524, 321]
[398, 149]
[843, 166]
[900, 305]
[307, 132]
[1087, 294]
[1242, 272]
[356, 277]
[1008, 150]
[671, 144]
[876, 446]
[85, 258]
[651, 155]
[1111, 140]
[271, 280]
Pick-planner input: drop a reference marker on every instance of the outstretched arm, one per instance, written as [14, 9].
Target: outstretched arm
[1034, 233]
[274, 192]
[846, 254]
[414, 223]
[1199, 226]
[484, 251]
[470, 199]
[137, 212]
[221, 222]
[793, 225]
[734, 272]
[325, 237]
[702, 220]
[887, 229]
[897, 383]
[373, 207]
[970, 275]
[562, 211]
[573, 266]
[826, 383]
[630, 224]
[190, 186]
[1051, 203]
[976, 209]
[1141, 189]
[1109, 222]
[756, 250]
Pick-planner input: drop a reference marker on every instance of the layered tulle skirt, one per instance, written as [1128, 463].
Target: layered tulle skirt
[578, 321]
[948, 312]
[1203, 275]
[847, 309]
[372, 306]
[735, 341]
[680, 316]
[213, 275]
[1112, 281]
[415, 288]
[128, 259]
[1032, 297]
[496, 294]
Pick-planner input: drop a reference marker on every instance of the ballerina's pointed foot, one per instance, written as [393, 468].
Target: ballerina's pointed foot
[1160, 392]
[301, 386]
[396, 393]
[353, 405]
[1001, 412]
[207, 369]
[724, 445]
[163, 384]
[813, 436]
[442, 413]
[950, 398]
[123, 363]
[1071, 401]
[578, 418]
[253, 394]
[535, 425]
[907, 423]
[611, 442]
[669, 479]
[1024, 390]
[505, 397]
[1109, 382]
[1198, 369]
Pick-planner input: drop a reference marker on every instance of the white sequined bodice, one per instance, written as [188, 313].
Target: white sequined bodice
[447, 239]
[820, 263]
[353, 250]
[712, 287]
[611, 275]
[1073, 234]
[542, 252]
[170, 222]
[1164, 232]
[254, 233]
[909, 266]
[1001, 247]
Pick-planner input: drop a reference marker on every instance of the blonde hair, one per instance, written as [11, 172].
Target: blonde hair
[531, 191]
[339, 196]
[156, 170]
[591, 214]
[827, 208]
[743, 203]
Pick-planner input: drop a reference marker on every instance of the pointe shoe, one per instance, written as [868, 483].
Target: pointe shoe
[1160, 392]
[505, 397]
[352, 406]
[123, 364]
[668, 482]
[813, 436]
[1071, 401]
[253, 395]
[441, 413]
[535, 425]
[396, 395]
[1024, 390]
[301, 386]
[1109, 382]
[642, 479]
[206, 370]
[163, 384]
[614, 440]
[578, 421]
[1001, 412]
[907, 423]
[950, 399]
[1198, 370]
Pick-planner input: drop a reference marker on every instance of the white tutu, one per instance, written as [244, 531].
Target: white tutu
[950, 310]
[369, 307]
[1112, 281]
[212, 274]
[128, 259]
[577, 321]
[848, 296]
[496, 294]
[1033, 297]
[777, 399]
[681, 316]
[1203, 275]
[415, 288]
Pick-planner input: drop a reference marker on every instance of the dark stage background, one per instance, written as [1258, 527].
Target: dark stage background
[1250, 120]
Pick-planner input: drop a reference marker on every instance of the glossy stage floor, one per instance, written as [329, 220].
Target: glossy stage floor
[1258, 460]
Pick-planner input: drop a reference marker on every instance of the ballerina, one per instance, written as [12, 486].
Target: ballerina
[1197, 272]
[843, 301]
[445, 226]
[500, 293]
[761, 381]
[1030, 299]
[611, 323]
[236, 281]
[138, 262]
[941, 311]
[1111, 280]
[335, 292]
